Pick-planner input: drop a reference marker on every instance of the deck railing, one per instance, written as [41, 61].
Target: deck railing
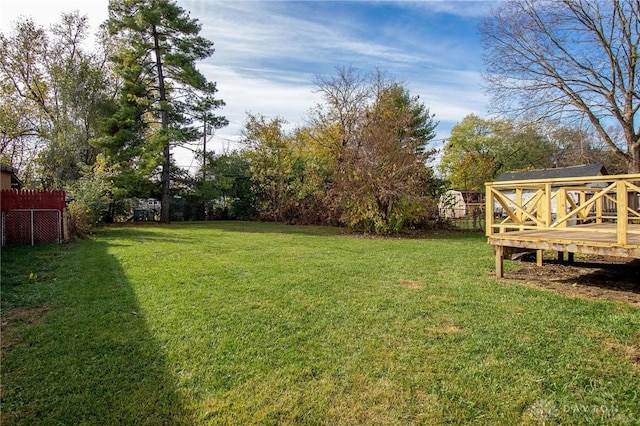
[547, 204]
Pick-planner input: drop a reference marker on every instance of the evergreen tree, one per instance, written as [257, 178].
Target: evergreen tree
[157, 48]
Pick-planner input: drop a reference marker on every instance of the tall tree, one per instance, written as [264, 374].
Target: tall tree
[569, 59]
[314, 169]
[381, 185]
[381, 173]
[23, 92]
[56, 93]
[18, 143]
[576, 146]
[347, 95]
[158, 47]
[271, 162]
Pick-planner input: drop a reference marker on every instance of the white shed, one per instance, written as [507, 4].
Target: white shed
[452, 205]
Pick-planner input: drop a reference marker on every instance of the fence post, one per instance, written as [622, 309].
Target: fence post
[33, 230]
[65, 226]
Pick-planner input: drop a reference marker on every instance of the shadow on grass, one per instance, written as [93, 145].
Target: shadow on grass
[88, 357]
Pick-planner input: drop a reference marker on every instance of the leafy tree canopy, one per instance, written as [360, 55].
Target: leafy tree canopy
[54, 95]
[479, 150]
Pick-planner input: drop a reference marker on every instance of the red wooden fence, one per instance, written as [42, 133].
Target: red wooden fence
[12, 199]
[31, 217]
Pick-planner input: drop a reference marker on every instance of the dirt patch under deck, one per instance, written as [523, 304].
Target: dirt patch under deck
[592, 277]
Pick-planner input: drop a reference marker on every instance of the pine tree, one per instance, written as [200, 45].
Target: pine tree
[157, 48]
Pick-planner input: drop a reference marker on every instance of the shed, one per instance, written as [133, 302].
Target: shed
[586, 170]
[560, 172]
[452, 205]
[8, 178]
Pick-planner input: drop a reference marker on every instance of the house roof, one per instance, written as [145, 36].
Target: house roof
[560, 172]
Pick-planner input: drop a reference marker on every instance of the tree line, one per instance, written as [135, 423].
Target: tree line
[361, 161]
[100, 122]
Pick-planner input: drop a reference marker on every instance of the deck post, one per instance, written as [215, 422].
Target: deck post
[499, 261]
[547, 205]
[599, 210]
[539, 259]
[561, 206]
[488, 211]
[519, 209]
[622, 198]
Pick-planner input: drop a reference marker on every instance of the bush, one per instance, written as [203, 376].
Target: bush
[79, 222]
[90, 195]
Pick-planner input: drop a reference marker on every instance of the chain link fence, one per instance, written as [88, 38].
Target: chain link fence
[31, 226]
[463, 209]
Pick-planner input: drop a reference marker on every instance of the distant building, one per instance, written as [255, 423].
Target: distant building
[586, 170]
[9, 178]
[557, 173]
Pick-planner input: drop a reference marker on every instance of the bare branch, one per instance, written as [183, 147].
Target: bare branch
[568, 59]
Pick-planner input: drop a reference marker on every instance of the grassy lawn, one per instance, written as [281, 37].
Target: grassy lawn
[249, 323]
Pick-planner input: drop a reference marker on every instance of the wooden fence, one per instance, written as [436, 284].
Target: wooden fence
[32, 217]
[12, 199]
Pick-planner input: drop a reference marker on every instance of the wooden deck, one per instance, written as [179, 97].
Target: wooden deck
[566, 216]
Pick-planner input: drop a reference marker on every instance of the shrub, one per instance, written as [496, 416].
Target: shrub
[90, 195]
[79, 223]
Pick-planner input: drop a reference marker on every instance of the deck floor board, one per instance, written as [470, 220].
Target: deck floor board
[590, 238]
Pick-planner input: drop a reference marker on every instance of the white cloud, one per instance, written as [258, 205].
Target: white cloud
[462, 8]
[48, 12]
[254, 31]
[458, 95]
[269, 93]
[254, 91]
[268, 52]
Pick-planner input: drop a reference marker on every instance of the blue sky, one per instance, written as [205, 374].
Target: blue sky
[268, 53]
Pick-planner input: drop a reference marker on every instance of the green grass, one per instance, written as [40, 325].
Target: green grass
[249, 323]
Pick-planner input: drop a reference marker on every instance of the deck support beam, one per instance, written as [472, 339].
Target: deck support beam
[561, 257]
[499, 250]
